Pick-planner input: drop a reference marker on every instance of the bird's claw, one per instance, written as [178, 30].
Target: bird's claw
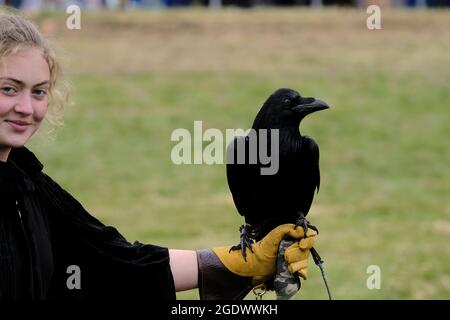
[245, 242]
[302, 222]
[310, 226]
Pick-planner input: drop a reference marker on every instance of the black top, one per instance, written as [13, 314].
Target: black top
[52, 248]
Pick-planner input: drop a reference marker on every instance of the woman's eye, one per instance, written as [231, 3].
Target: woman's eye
[9, 90]
[40, 93]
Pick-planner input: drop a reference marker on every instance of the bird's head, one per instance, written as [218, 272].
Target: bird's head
[286, 107]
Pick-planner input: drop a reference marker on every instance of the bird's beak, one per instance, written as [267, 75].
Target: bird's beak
[310, 105]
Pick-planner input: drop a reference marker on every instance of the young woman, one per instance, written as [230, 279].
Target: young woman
[46, 236]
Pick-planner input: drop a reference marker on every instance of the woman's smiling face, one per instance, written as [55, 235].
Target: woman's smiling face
[24, 84]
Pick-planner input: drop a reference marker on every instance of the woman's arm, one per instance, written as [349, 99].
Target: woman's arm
[183, 264]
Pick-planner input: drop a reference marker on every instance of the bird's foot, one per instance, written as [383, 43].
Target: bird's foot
[246, 240]
[302, 222]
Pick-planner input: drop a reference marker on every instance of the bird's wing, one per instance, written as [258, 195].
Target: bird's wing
[240, 177]
[310, 177]
[312, 149]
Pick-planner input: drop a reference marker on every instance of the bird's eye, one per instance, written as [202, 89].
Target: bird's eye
[286, 101]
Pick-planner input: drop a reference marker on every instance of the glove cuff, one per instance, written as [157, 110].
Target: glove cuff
[216, 282]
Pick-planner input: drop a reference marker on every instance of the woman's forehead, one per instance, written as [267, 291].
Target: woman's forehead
[26, 65]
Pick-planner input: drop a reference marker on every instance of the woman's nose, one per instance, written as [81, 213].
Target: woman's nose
[24, 105]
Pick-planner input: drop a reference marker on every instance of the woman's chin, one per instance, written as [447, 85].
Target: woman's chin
[17, 143]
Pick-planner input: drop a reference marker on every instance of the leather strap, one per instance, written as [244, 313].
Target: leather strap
[216, 282]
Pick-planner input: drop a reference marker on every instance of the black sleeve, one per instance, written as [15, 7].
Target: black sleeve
[110, 266]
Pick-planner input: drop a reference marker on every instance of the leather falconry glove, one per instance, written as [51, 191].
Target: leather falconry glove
[224, 274]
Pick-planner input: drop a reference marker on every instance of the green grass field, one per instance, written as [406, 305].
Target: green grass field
[384, 198]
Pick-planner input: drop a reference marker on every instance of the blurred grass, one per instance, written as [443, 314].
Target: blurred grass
[384, 144]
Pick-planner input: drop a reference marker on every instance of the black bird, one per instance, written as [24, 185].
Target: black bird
[268, 200]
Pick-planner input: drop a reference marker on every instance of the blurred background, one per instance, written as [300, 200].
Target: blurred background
[140, 69]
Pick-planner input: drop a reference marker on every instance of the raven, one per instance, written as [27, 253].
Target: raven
[267, 201]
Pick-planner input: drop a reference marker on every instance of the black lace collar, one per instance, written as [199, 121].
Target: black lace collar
[16, 174]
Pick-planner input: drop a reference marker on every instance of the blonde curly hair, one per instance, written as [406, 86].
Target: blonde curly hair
[16, 33]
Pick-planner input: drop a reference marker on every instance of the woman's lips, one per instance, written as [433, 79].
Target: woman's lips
[19, 125]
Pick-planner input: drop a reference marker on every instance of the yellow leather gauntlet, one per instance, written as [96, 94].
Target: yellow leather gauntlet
[261, 263]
